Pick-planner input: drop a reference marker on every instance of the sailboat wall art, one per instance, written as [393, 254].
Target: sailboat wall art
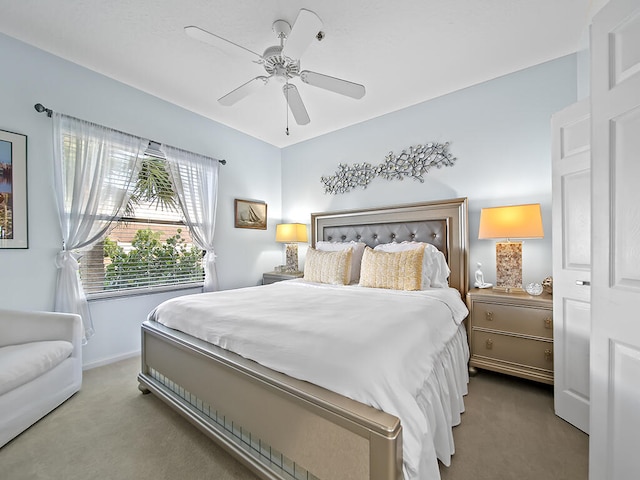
[250, 214]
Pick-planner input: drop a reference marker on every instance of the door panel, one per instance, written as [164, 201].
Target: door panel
[615, 337]
[625, 136]
[577, 316]
[625, 58]
[623, 416]
[571, 183]
[576, 206]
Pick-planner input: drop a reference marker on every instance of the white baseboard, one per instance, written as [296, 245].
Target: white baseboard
[109, 360]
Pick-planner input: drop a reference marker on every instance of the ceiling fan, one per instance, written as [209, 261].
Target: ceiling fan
[282, 63]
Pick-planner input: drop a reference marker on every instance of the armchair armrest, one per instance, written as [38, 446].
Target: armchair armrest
[18, 327]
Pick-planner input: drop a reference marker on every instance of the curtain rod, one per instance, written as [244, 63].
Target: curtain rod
[41, 109]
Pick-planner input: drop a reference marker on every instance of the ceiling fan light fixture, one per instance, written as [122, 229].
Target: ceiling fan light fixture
[277, 64]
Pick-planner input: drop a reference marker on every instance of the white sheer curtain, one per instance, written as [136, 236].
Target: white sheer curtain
[95, 170]
[195, 180]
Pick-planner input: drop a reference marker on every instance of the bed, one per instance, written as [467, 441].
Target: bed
[305, 424]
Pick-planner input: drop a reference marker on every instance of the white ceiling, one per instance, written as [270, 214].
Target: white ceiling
[404, 52]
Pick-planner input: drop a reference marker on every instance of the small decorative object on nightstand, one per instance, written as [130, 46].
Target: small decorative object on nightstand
[511, 333]
[534, 289]
[273, 277]
[480, 283]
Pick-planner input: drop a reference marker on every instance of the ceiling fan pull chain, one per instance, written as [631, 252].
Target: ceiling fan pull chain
[287, 106]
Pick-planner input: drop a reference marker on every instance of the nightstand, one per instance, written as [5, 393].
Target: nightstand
[273, 277]
[511, 333]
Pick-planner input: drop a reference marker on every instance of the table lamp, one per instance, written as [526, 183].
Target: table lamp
[515, 221]
[291, 234]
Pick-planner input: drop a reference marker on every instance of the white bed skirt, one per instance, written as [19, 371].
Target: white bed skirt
[441, 400]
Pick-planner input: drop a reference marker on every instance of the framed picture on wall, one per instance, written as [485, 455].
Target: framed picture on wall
[250, 214]
[13, 190]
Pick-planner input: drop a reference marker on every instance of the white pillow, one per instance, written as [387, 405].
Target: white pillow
[439, 274]
[435, 271]
[356, 255]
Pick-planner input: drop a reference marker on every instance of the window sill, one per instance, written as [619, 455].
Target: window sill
[140, 291]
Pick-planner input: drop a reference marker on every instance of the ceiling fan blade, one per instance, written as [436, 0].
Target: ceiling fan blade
[307, 26]
[295, 104]
[333, 84]
[242, 91]
[222, 44]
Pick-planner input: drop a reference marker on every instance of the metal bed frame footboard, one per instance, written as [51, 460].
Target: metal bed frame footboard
[280, 427]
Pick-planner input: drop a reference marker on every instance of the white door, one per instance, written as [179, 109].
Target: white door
[571, 183]
[614, 452]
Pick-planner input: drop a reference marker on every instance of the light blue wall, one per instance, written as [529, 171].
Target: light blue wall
[499, 131]
[27, 277]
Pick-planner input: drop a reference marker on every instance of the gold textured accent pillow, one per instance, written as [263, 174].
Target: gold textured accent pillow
[393, 270]
[328, 267]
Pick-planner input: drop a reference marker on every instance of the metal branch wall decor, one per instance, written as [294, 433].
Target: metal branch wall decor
[413, 162]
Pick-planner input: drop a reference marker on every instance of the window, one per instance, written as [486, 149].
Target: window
[97, 173]
[149, 248]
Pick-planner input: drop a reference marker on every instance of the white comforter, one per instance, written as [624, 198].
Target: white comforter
[375, 346]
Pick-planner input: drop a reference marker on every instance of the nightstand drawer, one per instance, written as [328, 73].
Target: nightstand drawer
[522, 351]
[515, 319]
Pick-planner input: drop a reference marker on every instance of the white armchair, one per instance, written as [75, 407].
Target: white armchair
[40, 366]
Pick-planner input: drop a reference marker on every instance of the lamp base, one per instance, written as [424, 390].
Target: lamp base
[509, 289]
[292, 257]
[509, 266]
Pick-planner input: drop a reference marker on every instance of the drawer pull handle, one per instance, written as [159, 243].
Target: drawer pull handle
[489, 315]
[548, 323]
[548, 354]
[489, 344]
[583, 282]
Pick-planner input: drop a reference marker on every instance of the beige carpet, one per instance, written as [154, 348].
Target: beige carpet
[111, 431]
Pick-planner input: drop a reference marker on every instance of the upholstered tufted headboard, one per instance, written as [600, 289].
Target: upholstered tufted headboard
[429, 231]
[443, 224]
